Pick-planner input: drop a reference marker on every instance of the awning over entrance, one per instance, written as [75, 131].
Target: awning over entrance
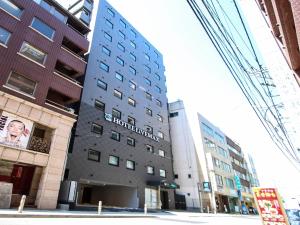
[163, 184]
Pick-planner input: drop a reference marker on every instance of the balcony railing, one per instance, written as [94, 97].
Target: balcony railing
[73, 53]
[56, 72]
[38, 144]
[59, 106]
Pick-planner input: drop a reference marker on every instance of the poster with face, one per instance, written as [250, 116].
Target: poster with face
[14, 130]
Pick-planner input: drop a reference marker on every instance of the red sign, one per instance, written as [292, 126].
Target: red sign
[270, 206]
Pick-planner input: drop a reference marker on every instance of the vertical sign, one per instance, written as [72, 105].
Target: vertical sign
[270, 206]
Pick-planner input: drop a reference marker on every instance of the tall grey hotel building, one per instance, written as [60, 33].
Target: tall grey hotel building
[121, 152]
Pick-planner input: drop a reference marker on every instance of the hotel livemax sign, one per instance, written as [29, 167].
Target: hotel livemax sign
[115, 120]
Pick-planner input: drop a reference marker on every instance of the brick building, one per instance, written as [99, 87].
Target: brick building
[42, 64]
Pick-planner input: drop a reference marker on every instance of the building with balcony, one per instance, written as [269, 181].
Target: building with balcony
[209, 167]
[42, 48]
[120, 153]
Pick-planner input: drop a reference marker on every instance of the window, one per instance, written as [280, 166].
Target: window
[147, 57]
[102, 84]
[133, 33]
[96, 128]
[161, 153]
[148, 96]
[157, 89]
[159, 118]
[120, 61]
[160, 134]
[4, 36]
[149, 129]
[150, 170]
[116, 113]
[113, 160]
[106, 51]
[207, 129]
[21, 83]
[222, 152]
[149, 111]
[119, 76]
[42, 28]
[157, 65]
[107, 36]
[162, 173]
[122, 23]
[99, 105]
[33, 53]
[156, 55]
[11, 8]
[189, 176]
[209, 143]
[229, 183]
[131, 120]
[109, 24]
[121, 47]
[132, 56]
[130, 141]
[147, 81]
[115, 135]
[147, 46]
[130, 165]
[110, 12]
[132, 44]
[122, 35]
[175, 176]
[94, 155]
[157, 76]
[118, 94]
[219, 180]
[132, 85]
[147, 68]
[173, 114]
[104, 67]
[158, 103]
[216, 162]
[149, 148]
[132, 70]
[131, 102]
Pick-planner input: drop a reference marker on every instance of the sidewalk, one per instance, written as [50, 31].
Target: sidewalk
[58, 213]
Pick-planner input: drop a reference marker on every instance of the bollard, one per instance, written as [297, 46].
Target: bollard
[207, 209]
[145, 209]
[22, 203]
[99, 207]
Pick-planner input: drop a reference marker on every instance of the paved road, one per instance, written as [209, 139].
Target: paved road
[175, 219]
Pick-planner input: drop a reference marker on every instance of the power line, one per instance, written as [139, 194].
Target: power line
[257, 93]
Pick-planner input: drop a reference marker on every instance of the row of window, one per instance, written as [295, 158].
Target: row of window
[209, 131]
[98, 129]
[222, 165]
[229, 182]
[132, 70]
[118, 114]
[113, 160]
[221, 151]
[124, 25]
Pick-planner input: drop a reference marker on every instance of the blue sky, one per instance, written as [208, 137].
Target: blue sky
[196, 74]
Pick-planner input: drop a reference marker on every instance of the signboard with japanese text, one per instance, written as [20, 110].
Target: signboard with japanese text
[270, 206]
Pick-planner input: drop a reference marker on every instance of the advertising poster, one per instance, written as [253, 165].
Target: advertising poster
[14, 131]
[270, 206]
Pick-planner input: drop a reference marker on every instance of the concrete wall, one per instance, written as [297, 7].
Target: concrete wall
[5, 195]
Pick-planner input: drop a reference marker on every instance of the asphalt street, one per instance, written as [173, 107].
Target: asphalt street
[178, 218]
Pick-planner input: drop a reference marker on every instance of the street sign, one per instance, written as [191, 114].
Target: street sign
[238, 182]
[206, 187]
